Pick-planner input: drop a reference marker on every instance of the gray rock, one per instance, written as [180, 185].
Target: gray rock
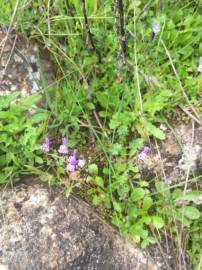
[22, 64]
[42, 230]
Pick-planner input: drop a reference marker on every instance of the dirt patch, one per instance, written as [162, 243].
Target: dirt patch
[178, 157]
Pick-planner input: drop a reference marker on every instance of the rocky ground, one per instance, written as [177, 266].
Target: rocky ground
[46, 230]
[178, 157]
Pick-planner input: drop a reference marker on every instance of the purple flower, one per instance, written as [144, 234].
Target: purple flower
[143, 155]
[200, 65]
[63, 149]
[46, 146]
[74, 162]
[147, 150]
[156, 28]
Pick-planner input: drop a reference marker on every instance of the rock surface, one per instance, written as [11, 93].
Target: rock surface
[42, 230]
[179, 156]
[21, 65]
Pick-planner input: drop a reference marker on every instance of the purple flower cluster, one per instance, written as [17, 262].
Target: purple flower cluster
[143, 155]
[73, 162]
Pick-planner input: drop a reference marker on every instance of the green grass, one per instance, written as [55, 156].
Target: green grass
[120, 106]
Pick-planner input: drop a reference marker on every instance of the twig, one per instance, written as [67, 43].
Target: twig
[10, 55]
[119, 9]
[9, 28]
[147, 6]
[70, 11]
[161, 161]
[48, 21]
[190, 115]
[161, 250]
[90, 36]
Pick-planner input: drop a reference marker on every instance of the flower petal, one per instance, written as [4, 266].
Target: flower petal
[81, 163]
[71, 168]
[63, 149]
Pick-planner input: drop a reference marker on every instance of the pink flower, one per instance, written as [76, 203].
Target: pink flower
[46, 146]
[63, 149]
[143, 155]
[74, 163]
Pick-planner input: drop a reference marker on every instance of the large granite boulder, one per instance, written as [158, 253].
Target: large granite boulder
[45, 230]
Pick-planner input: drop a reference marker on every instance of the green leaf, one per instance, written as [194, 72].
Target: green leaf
[120, 167]
[145, 220]
[190, 212]
[156, 132]
[137, 194]
[117, 206]
[116, 149]
[38, 117]
[93, 169]
[157, 222]
[137, 230]
[193, 196]
[96, 200]
[107, 201]
[5, 101]
[147, 203]
[99, 181]
[7, 115]
[39, 160]
[3, 178]
[132, 212]
[162, 188]
[26, 103]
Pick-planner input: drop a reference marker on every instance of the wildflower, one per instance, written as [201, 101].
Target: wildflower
[63, 149]
[75, 163]
[200, 65]
[156, 28]
[143, 155]
[46, 146]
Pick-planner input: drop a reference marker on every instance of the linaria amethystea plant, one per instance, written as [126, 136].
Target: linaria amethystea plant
[200, 65]
[46, 146]
[143, 155]
[63, 149]
[74, 163]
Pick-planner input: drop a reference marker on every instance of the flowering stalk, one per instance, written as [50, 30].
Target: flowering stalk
[74, 162]
[63, 149]
[46, 146]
